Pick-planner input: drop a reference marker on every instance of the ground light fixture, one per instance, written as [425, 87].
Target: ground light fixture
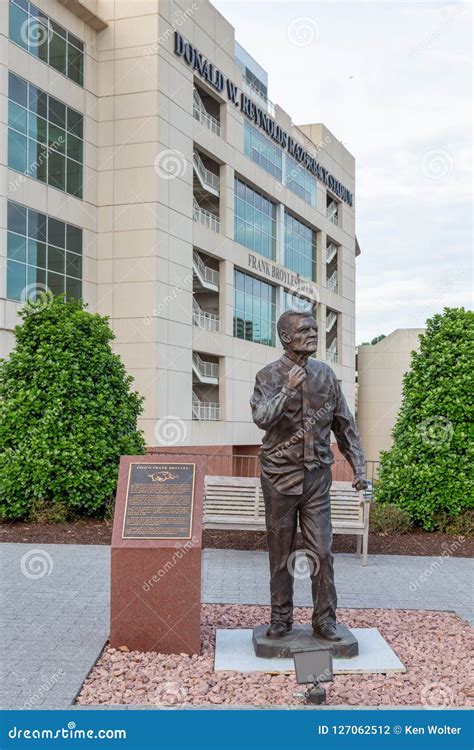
[311, 668]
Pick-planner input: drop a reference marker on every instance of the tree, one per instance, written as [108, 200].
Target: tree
[430, 468]
[67, 413]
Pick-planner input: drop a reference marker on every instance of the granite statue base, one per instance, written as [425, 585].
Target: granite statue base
[301, 638]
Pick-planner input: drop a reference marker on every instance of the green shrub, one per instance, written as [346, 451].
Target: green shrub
[462, 525]
[389, 519]
[67, 413]
[430, 468]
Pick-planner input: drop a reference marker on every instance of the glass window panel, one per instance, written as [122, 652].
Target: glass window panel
[75, 41]
[16, 218]
[37, 224]
[37, 128]
[38, 32]
[38, 101]
[75, 65]
[16, 247]
[55, 283]
[56, 259]
[74, 147]
[37, 160]
[57, 53]
[74, 238]
[18, 22]
[56, 232]
[74, 178]
[58, 29]
[36, 253]
[56, 170]
[74, 122]
[73, 265]
[17, 89]
[16, 279]
[36, 279]
[17, 117]
[17, 151]
[73, 288]
[57, 112]
[22, 3]
[57, 138]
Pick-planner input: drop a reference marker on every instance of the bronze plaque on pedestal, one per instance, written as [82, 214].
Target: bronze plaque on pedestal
[159, 501]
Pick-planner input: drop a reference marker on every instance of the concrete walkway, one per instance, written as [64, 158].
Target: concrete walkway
[55, 610]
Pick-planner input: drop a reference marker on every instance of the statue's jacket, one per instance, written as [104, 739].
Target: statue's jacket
[298, 423]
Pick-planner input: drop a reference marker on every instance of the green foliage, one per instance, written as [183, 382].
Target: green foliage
[389, 519]
[462, 525]
[430, 468]
[67, 414]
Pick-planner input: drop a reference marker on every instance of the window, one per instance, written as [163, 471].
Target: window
[298, 303]
[254, 220]
[300, 181]
[42, 37]
[44, 137]
[300, 247]
[43, 253]
[262, 151]
[254, 309]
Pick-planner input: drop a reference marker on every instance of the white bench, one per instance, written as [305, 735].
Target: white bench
[237, 503]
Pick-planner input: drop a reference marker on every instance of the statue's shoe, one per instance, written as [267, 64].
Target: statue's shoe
[327, 631]
[278, 629]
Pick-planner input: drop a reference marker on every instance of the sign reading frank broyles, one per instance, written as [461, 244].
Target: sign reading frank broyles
[159, 502]
[218, 80]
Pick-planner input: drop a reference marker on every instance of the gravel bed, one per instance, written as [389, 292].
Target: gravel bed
[434, 647]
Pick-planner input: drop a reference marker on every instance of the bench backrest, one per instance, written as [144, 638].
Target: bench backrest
[242, 496]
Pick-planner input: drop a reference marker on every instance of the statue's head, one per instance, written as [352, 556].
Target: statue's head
[298, 332]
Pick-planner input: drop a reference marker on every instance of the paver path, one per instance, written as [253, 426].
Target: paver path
[54, 602]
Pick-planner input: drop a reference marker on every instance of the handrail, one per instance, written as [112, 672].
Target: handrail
[204, 319]
[206, 272]
[201, 114]
[331, 352]
[206, 369]
[331, 251]
[205, 410]
[331, 283]
[206, 217]
[330, 320]
[208, 178]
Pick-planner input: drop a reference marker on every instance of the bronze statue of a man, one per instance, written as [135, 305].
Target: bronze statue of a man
[298, 401]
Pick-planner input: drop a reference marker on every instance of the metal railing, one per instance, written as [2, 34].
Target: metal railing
[205, 369]
[205, 410]
[203, 319]
[222, 463]
[206, 218]
[331, 251]
[205, 272]
[207, 178]
[250, 89]
[332, 213]
[332, 282]
[201, 114]
[331, 318]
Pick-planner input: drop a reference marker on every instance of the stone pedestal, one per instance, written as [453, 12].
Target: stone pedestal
[301, 638]
[156, 554]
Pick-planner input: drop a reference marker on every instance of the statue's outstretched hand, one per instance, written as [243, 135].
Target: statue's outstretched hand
[360, 483]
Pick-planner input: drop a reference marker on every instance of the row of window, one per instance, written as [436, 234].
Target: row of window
[42, 253]
[255, 227]
[45, 137]
[42, 37]
[255, 308]
[283, 168]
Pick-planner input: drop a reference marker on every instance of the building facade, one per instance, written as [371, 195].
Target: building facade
[144, 169]
[380, 371]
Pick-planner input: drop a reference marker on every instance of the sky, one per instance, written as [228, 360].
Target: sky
[392, 81]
